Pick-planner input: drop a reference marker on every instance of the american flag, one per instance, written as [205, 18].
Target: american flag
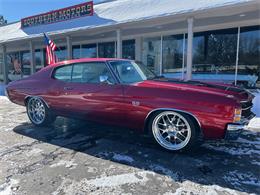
[50, 50]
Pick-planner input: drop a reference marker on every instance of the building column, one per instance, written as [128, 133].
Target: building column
[189, 49]
[119, 44]
[138, 49]
[69, 48]
[32, 52]
[5, 65]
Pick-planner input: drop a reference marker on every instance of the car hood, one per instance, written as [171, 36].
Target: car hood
[219, 89]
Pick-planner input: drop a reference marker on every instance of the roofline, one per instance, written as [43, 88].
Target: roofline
[186, 15]
[82, 60]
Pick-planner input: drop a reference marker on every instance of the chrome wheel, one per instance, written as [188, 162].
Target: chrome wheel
[171, 130]
[36, 110]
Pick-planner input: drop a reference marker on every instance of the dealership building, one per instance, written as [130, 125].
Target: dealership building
[217, 40]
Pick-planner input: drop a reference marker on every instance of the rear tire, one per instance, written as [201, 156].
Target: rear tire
[38, 112]
[174, 131]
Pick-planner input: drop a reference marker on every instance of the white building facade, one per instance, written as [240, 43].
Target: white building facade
[216, 40]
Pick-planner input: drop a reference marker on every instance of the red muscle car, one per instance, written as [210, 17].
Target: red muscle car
[120, 92]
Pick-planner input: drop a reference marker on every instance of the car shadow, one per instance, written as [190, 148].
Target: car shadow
[202, 166]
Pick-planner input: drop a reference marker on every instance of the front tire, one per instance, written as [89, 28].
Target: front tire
[173, 131]
[38, 112]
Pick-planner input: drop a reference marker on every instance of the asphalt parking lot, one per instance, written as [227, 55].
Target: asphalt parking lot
[74, 157]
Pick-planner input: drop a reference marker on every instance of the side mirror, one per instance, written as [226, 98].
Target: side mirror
[103, 79]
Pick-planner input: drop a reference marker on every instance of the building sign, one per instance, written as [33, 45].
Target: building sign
[84, 9]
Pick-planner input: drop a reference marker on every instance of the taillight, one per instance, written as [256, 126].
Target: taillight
[237, 115]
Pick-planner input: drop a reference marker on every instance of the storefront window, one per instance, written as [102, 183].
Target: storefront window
[214, 55]
[151, 53]
[76, 51]
[89, 51]
[39, 59]
[14, 66]
[128, 49]
[106, 50]
[173, 55]
[61, 53]
[26, 63]
[249, 56]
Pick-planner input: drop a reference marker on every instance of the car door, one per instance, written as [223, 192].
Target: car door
[92, 93]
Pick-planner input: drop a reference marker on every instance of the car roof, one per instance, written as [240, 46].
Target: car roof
[84, 60]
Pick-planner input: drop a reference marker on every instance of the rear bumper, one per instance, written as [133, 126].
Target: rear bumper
[234, 130]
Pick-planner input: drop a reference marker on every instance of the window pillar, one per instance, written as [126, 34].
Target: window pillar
[5, 65]
[32, 52]
[189, 49]
[119, 44]
[69, 48]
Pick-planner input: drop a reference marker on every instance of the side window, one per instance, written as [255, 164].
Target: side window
[63, 73]
[91, 72]
[126, 71]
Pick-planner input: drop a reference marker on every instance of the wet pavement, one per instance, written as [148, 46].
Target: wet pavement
[75, 157]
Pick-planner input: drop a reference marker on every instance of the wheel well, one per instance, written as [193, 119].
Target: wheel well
[151, 115]
[26, 100]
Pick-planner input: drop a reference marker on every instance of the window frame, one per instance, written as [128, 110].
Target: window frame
[116, 81]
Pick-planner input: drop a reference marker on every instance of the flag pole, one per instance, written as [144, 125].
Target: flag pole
[55, 44]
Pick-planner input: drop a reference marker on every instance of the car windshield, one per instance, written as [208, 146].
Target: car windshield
[131, 72]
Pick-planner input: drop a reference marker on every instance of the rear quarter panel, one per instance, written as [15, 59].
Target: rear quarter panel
[35, 85]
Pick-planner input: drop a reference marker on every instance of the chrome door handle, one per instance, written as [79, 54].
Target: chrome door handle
[68, 88]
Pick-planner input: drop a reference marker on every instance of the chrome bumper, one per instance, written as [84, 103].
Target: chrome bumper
[233, 130]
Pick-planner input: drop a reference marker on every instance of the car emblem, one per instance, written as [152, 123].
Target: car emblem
[135, 103]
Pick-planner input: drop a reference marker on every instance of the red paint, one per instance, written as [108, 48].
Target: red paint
[116, 104]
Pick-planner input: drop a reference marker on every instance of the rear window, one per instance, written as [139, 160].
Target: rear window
[63, 73]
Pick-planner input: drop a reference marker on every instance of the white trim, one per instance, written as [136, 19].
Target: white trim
[32, 53]
[154, 34]
[189, 49]
[183, 56]
[161, 57]
[97, 50]
[138, 49]
[118, 44]
[237, 54]
[69, 47]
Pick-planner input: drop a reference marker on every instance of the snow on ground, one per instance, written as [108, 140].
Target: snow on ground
[54, 161]
[8, 187]
[254, 124]
[256, 102]
[103, 184]
[68, 164]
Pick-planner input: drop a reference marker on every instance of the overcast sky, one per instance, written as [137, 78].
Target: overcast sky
[14, 10]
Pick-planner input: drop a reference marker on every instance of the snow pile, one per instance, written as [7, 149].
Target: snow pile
[116, 12]
[8, 187]
[256, 102]
[103, 184]
[68, 164]
[254, 124]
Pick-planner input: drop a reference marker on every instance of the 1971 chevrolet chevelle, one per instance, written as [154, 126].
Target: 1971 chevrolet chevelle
[120, 92]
